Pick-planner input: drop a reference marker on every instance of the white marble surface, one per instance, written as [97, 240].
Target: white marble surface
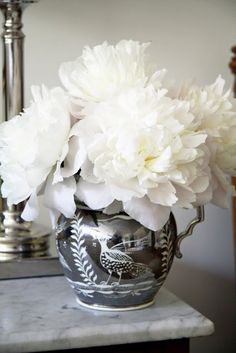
[41, 314]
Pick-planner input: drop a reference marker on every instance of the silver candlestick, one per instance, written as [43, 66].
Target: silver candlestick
[16, 235]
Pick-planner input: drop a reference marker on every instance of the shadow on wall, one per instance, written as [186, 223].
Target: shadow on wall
[214, 297]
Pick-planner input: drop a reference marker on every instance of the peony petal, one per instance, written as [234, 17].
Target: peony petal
[33, 143]
[57, 176]
[86, 172]
[218, 85]
[106, 70]
[185, 197]
[75, 157]
[221, 187]
[201, 183]
[220, 193]
[157, 78]
[54, 215]
[95, 196]
[60, 196]
[220, 197]
[193, 140]
[31, 209]
[127, 191]
[204, 197]
[14, 185]
[147, 213]
[163, 194]
[162, 163]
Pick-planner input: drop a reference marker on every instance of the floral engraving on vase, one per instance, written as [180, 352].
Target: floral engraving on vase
[167, 252]
[80, 255]
[114, 262]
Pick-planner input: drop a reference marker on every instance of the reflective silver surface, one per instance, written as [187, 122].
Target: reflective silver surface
[16, 235]
[189, 229]
[31, 264]
[13, 65]
[113, 262]
[13, 60]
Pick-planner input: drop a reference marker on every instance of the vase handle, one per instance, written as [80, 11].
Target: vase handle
[189, 229]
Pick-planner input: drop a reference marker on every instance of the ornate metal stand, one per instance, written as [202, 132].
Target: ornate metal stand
[16, 235]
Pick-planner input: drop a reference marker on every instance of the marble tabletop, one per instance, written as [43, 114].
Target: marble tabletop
[41, 314]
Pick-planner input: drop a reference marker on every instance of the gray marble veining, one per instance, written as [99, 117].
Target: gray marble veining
[41, 314]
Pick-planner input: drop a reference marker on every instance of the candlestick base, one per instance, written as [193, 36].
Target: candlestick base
[18, 236]
[34, 240]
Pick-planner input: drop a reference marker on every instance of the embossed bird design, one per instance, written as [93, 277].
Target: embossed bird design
[116, 261]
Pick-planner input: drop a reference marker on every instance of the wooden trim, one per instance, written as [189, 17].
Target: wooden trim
[234, 217]
[232, 66]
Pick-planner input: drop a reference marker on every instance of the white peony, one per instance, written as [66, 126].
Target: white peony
[107, 70]
[215, 113]
[31, 145]
[137, 146]
[142, 150]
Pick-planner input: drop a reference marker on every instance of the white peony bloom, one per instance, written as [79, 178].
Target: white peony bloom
[107, 70]
[215, 113]
[137, 147]
[31, 145]
[142, 149]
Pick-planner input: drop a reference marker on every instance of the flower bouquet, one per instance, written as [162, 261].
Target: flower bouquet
[118, 139]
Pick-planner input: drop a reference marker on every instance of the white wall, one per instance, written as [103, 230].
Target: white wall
[191, 38]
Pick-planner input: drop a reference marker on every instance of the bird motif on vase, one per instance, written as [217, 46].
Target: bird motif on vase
[116, 261]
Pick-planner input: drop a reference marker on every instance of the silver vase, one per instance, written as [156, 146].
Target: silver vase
[113, 262]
